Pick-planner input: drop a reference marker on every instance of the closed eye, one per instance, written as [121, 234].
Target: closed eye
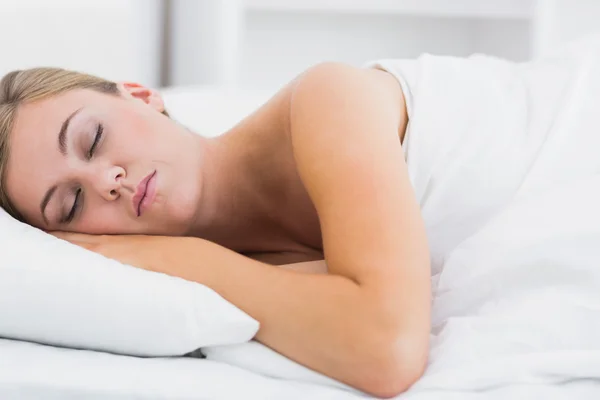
[97, 138]
[76, 205]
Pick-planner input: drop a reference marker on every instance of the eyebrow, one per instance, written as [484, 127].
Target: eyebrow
[62, 134]
[45, 202]
[62, 147]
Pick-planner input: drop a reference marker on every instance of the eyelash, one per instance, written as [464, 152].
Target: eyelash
[90, 154]
[74, 208]
[99, 132]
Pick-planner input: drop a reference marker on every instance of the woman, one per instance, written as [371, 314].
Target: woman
[314, 181]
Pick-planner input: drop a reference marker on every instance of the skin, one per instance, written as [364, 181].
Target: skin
[315, 181]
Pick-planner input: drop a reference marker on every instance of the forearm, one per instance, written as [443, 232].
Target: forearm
[314, 267]
[323, 321]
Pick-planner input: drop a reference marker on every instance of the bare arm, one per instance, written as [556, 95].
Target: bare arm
[314, 267]
[345, 126]
[319, 320]
[292, 261]
[366, 322]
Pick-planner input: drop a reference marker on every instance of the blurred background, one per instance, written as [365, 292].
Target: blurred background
[261, 44]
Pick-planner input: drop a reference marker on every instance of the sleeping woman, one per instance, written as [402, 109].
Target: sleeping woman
[302, 214]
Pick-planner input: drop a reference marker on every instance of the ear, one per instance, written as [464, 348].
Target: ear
[139, 92]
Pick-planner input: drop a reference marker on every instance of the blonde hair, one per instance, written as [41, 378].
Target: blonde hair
[24, 86]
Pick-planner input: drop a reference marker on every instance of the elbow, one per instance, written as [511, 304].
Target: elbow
[394, 368]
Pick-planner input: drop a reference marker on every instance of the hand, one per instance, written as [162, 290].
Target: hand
[137, 250]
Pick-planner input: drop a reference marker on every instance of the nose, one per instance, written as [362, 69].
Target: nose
[109, 184]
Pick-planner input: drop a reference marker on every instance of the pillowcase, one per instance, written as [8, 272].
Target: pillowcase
[57, 293]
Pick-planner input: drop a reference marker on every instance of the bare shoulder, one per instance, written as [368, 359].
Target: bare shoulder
[330, 83]
[341, 76]
[318, 84]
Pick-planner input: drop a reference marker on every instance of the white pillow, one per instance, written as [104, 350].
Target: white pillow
[57, 293]
[210, 111]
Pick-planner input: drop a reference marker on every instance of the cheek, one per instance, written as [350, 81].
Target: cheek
[99, 222]
[105, 218]
[133, 131]
[145, 124]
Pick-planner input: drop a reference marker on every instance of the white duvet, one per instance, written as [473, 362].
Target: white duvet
[516, 306]
[505, 162]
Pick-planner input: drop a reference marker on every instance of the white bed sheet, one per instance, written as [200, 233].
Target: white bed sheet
[31, 371]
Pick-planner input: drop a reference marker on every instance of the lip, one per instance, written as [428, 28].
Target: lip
[144, 194]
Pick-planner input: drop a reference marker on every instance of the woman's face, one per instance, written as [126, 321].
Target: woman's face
[90, 162]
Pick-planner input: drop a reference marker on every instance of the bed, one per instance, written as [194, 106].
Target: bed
[516, 283]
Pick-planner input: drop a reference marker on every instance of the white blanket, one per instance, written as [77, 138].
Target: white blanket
[505, 162]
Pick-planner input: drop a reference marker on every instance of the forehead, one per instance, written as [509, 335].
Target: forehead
[31, 116]
[37, 123]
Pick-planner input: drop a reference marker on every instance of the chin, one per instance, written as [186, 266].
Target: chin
[177, 206]
[180, 218]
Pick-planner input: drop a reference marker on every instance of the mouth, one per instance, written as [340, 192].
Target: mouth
[144, 194]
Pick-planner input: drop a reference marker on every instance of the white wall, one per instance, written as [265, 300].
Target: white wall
[116, 39]
[204, 41]
[558, 21]
[279, 45]
[265, 43]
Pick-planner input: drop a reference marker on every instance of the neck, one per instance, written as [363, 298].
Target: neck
[229, 206]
